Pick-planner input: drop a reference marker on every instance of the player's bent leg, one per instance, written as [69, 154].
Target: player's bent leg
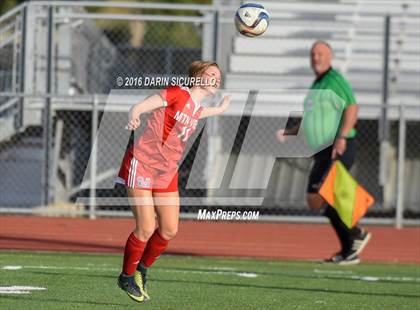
[142, 206]
[167, 209]
[143, 210]
[155, 247]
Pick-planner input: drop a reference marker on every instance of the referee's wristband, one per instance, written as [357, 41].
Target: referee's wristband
[341, 137]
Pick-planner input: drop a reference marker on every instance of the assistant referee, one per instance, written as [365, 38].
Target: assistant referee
[354, 240]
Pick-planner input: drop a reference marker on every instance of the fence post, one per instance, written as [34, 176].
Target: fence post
[47, 124]
[401, 169]
[94, 161]
[207, 37]
[24, 17]
[56, 158]
[383, 127]
[385, 78]
[216, 35]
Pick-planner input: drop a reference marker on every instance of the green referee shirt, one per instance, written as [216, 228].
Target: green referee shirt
[324, 105]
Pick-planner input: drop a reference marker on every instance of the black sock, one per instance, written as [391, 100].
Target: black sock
[355, 231]
[340, 228]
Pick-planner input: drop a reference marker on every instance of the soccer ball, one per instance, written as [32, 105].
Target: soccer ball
[251, 19]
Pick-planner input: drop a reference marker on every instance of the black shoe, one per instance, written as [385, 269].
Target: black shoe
[141, 278]
[337, 257]
[128, 285]
[342, 259]
[360, 242]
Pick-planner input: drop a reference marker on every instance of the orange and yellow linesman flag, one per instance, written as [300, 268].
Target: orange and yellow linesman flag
[345, 195]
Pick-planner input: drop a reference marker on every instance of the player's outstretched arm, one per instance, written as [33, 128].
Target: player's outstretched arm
[147, 105]
[222, 107]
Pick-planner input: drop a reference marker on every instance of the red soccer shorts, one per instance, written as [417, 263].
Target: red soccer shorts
[135, 174]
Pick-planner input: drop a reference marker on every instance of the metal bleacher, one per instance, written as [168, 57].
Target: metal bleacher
[355, 28]
[279, 60]
[23, 69]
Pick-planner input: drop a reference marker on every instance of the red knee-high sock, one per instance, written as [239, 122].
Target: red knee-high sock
[133, 251]
[155, 247]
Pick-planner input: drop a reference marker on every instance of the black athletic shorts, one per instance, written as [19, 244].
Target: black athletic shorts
[322, 163]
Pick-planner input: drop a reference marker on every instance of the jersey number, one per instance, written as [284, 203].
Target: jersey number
[185, 133]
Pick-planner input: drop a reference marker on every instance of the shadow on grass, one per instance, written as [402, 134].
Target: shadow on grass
[288, 275]
[76, 275]
[286, 288]
[64, 301]
[251, 286]
[88, 246]
[68, 245]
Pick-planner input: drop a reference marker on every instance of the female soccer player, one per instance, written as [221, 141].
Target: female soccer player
[149, 169]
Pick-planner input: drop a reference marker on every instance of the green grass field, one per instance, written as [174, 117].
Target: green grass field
[88, 281]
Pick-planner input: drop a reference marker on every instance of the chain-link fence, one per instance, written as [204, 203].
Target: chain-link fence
[411, 171]
[82, 55]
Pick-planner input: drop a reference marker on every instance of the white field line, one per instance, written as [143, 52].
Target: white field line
[344, 274]
[11, 267]
[223, 268]
[58, 268]
[226, 273]
[19, 289]
[214, 270]
[366, 278]
[14, 292]
[333, 271]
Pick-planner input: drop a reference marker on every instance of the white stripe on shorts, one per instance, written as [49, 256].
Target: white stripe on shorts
[129, 172]
[134, 172]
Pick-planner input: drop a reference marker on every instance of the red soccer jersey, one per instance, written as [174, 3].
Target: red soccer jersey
[168, 128]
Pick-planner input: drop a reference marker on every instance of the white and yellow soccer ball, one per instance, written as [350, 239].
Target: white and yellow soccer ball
[251, 19]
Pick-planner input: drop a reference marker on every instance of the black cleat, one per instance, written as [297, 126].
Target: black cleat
[360, 242]
[337, 257]
[128, 285]
[342, 259]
